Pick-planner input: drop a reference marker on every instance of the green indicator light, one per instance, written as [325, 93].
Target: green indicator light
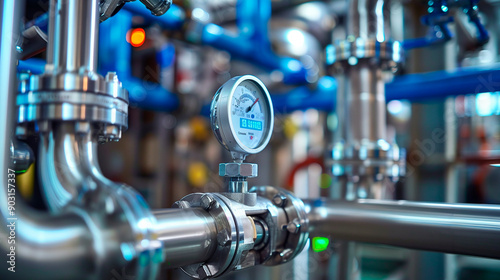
[325, 181]
[319, 244]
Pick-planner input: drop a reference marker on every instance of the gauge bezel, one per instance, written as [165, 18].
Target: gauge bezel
[220, 116]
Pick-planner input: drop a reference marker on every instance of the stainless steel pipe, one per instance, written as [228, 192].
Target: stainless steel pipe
[52, 247]
[188, 235]
[369, 19]
[68, 165]
[73, 35]
[365, 98]
[448, 228]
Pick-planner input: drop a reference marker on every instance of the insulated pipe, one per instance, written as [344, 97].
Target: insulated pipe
[188, 235]
[449, 228]
[73, 35]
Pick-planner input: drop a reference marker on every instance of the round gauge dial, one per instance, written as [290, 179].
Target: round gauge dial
[242, 115]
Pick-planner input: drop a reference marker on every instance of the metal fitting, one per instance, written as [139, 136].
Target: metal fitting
[90, 101]
[204, 272]
[157, 7]
[233, 169]
[181, 204]
[354, 49]
[279, 200]
[207, 202]
[293, 226]
[223, 238]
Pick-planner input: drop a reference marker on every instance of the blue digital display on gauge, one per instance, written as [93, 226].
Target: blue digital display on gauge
[251, 124]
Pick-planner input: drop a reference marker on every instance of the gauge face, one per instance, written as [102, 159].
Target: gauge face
[248, 114]
[242, 115]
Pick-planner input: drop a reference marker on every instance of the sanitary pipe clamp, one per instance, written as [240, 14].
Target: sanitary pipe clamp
[271, 232]
[388, 53]
[377, 159]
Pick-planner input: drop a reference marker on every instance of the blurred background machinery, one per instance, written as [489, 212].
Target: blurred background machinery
[384, 157]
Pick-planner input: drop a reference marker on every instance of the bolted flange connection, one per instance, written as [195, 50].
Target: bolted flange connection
[233, 169]
[94, 103]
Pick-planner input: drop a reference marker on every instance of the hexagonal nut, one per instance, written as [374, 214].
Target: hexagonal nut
[293, 226]
[204, 272]
[112, 77]
[110, 133]
[181, 204]
[238, 170]
[223, 238]
[207, 202]
[279, 200]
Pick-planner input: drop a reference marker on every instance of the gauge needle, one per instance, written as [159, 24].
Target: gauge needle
[250, 108]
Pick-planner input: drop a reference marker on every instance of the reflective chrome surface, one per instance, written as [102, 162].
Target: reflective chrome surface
[451, 228]
[365, 98]
[52, 247]
[68, 165]
[188, 235]
[268, 232]
[73, 42]
[70, 89]
[22, 156]
[369, 19]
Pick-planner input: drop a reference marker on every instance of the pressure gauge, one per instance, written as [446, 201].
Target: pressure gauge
[242, 116]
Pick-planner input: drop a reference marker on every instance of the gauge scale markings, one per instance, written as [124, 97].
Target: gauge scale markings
[248, 126]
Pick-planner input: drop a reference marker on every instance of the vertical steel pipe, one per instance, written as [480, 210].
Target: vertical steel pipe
[73, 40]
[363, 100]
[449, 228]
[43, 245]
[365, 97]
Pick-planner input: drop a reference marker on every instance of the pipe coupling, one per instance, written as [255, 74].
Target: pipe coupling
[374, 159]
[388, 53]
[93, 102]
[265, 232]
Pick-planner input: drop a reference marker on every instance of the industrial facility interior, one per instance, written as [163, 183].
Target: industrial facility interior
[250, 139]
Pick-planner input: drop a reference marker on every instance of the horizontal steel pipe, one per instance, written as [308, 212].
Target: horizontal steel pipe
[188, 235]
[450, 228]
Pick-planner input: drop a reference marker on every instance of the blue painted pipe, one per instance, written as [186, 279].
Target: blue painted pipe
[441, 84]
[32, 65]
[115, 54]
[413, 87]
[301, 98]
[252, 43]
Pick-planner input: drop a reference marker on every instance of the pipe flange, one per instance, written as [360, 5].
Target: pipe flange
[295, 227]
[227, 235]
[353, 49]
[375, 159]
[71, 97]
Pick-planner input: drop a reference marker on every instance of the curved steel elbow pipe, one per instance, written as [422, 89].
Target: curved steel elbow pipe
[68, 165]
